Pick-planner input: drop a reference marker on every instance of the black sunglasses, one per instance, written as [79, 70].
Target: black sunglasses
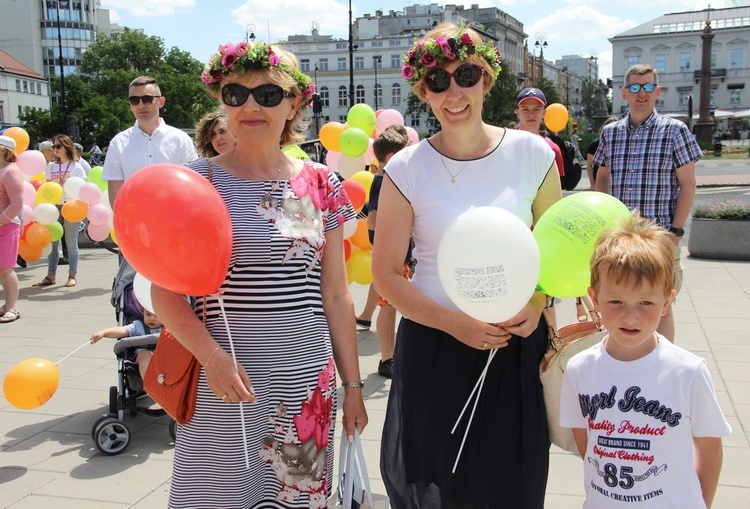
[268, 95]
[147, 99]
[466, 75]
[56, 146]
[634, 88]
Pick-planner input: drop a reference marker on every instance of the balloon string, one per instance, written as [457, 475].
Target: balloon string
[478, 389]
[236, 369]
[74, 351]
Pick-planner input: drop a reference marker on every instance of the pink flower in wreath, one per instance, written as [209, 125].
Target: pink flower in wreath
[442, 43]
[310, 91]
[229, 58]
[272, 58]
[407, 71]
[314, 419]
[241, 49]
[466, 39]
[428, 59]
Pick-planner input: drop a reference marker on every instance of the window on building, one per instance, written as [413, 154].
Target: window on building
[736, 58]
[683, 97]
[377, 61]
[359, 94]
[359, 62]
[662, 100]
[18, 85]
[341, 64]
[39, 89]
[735, 96]
[630, 61]
[323, 64]
[25, 87]
[394, 42]
[396, 94]
[343, 97]
[325, 99]
[714, 57]
[414, 119]
[660, 63]
[304, 65]
[341, 45]
[395, 60]
[713, 98]
[342, 119]
[685, 62]
[377, 44]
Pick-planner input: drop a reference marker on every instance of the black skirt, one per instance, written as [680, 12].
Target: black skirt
[505, 459]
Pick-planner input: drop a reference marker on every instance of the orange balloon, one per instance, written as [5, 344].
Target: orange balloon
[361, 238]
[31, 383]
[38, 235]
[20, 136]
[75, 210]
[329, 135]
[556, 117]
[29, 252]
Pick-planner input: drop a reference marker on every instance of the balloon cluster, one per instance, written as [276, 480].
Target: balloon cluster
[41, 227]
[349, 148]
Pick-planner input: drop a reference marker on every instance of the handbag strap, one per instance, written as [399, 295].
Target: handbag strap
[353, 455]
[585, 311]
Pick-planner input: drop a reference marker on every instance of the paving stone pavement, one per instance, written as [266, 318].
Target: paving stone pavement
[48, 459]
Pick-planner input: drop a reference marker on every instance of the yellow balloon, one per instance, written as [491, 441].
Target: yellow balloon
[112, 235]
[556, 117]
[20, 136]
[365, 178]
[31, 383]
[41, 177]
[49, 192]
[360, 264]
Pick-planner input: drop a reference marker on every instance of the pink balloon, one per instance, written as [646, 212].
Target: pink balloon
[98, 232]
[369, 154]
[29, 194]
[31, 162]
[332, 160]
[387, 118]
[413, 135]
[90, 193]
[28, 214]
[98, 214]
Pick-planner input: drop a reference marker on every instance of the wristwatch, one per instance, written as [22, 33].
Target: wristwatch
[677, 231]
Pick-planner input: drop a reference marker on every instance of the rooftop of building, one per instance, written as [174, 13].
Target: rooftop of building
[11, 65]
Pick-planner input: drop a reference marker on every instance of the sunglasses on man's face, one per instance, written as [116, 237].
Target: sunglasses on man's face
[146, 99]
[268, 95]
[466, 75]
[634, 88]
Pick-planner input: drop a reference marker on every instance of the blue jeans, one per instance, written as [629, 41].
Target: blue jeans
[71, 241]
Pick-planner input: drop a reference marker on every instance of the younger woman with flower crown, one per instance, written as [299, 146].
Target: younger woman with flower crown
[262, 432]
[440, 351]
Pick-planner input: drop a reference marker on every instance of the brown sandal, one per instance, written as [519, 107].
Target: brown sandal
[44, 282]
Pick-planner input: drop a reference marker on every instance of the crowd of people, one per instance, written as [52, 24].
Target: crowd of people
[273, 339]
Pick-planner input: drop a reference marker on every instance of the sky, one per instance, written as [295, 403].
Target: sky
[571, 27]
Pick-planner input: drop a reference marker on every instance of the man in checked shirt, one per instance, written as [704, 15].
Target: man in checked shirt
[647, 161]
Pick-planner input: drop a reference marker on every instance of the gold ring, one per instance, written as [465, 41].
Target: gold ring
[484, 346]
[225, 396]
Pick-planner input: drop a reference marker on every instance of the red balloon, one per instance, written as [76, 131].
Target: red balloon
[356, 192]
[174, 229]
[347, 249]
[36, 183]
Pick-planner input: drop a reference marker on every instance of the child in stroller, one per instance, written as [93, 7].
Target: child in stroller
[137, 335]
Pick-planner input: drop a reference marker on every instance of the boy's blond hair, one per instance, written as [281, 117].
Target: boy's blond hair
[637, 248]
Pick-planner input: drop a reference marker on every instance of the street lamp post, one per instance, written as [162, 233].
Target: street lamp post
[541, 45]
[376, 60]
[63, 102]
[316, 114]
[351, 58]
[250, 33]
[594, 70]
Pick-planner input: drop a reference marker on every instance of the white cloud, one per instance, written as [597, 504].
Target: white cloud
[580, 23]
[148, 7]
[294, 17]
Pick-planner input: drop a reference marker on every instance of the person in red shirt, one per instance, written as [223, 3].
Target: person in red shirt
[530, 106]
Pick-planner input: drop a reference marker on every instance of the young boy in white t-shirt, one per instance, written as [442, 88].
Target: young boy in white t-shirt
[643, 410]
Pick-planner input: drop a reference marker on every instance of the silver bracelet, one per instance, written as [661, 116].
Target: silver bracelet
[353, 385]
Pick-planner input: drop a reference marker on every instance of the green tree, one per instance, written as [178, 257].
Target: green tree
[549, 88]
[500, 104]
[97, 97]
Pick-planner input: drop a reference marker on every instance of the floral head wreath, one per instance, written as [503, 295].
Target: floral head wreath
[242, 57]
[428, 52]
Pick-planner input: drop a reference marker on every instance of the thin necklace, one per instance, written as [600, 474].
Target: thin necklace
[453, 177]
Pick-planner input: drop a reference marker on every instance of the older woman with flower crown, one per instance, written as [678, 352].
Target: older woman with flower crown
[262, 432]
[441, 351]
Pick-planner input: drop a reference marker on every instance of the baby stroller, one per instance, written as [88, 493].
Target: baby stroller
[110, 433]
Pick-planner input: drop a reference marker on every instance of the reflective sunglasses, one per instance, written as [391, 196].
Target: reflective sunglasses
[466, 75]
[634, 88]
[147, 99]
[268, 95]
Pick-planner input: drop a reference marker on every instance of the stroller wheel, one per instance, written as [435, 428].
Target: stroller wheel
[111, 436]
[113, 406]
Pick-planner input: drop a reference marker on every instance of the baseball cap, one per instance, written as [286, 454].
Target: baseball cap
[531, 93]
[45, 145]
[7, 141]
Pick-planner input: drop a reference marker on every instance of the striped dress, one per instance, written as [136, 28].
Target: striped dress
[273, 305]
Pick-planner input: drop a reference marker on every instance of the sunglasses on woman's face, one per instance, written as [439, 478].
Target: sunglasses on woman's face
[147, 99]
[268, 95]
[57, 146]
[466, 75]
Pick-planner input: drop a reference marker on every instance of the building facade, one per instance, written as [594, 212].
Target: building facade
[20, 87]
[672, 44]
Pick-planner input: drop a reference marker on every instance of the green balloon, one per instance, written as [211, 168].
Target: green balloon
[56, 231]
[95, 177]
[363, 117]
[566, 235]
[354, 142]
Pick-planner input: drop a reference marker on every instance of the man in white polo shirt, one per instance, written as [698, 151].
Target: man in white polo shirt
[149, 141]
